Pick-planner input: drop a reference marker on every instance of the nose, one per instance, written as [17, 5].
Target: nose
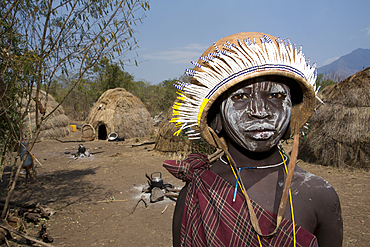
[259, 109]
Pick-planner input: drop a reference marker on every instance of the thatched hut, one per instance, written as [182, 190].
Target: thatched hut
[55, 126]
[169, 145]
[118, 111]
[340, 131]
[177, 147]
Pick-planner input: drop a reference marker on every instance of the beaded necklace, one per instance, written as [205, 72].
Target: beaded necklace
[257, 167]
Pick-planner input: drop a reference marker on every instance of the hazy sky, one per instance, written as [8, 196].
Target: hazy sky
[176, 32]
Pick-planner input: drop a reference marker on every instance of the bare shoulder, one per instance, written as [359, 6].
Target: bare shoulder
[311, 184]
[317, 193]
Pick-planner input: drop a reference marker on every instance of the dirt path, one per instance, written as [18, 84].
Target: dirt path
[75, 189]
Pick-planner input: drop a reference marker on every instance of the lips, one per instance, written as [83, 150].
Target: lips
[260, 131]
[260, 134]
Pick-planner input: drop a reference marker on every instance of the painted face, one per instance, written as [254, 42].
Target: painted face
[256, 116]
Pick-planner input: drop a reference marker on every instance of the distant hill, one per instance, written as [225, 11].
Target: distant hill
[348, 64]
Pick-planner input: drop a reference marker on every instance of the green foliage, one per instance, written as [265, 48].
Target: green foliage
[16, 72]
[42, 41]
[106, 75]
[322, 81]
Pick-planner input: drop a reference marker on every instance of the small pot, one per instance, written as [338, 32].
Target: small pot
[156, 181]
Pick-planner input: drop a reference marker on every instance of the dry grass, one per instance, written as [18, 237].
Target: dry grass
[340, 133]
[57, 125]
[121, 112]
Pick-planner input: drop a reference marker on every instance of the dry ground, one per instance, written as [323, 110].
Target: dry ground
[77, 191]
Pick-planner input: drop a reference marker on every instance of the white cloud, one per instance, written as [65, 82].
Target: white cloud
[179, 55]
[367, 30]
[330, 60]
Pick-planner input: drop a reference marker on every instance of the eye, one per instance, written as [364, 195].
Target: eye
[240, 96]
[277, 96]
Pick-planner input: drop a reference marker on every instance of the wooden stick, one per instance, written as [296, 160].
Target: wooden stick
[170, 194]
[144, 143]
[216, 156]
[173, 190]
[141, 199]
[114, 201]
[164, 209]
[31, 154]
[217, 153]
[288, 181]
[29, 120]
[37, 160]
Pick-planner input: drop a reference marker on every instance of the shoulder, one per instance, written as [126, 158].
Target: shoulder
[305, 179]
[317, 194]
[316, 189]
[312, 184]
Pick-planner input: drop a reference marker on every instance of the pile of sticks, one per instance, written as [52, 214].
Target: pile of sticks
[30, 212]
[18, 214]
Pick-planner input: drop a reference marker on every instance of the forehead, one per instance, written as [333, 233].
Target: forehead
[269, 86]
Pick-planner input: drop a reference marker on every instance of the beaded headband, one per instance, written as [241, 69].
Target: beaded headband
[225, 64]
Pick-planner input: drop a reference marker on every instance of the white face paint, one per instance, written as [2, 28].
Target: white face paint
[256, 116]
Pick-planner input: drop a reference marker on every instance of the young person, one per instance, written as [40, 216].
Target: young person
[249, 91]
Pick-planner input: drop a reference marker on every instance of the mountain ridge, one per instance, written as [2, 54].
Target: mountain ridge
[348, 64]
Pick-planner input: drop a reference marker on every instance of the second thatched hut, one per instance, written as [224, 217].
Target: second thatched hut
[177, 147]
[168, 144]
[118, 111]
[340, 131]
[55, 126]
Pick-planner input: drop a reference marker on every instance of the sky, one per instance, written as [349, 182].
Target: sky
[176, 32]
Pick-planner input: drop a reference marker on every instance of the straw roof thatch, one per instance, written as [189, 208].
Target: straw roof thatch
[169, 145]
[117, 110]
[55, 126]
[178, 147]
[340, 131]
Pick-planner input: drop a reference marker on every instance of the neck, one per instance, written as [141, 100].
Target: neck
[246, 158]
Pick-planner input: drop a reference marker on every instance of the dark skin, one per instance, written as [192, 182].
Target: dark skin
[316, 204]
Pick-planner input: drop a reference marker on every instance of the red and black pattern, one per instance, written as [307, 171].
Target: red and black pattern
[211, 218]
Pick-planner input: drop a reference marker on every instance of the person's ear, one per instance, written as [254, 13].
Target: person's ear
[286, 135]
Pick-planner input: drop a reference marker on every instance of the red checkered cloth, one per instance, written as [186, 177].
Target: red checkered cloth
[211, 218]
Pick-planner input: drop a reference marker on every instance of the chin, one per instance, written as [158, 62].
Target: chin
[259, 146]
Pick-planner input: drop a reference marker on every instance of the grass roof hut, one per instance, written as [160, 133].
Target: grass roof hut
[177, 147]
[169, 145]
[340, 131]
[55, 126]
[117, 110]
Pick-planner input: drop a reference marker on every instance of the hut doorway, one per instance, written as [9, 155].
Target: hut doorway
[102, 132]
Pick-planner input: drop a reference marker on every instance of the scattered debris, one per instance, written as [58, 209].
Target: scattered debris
[18, 215]
[10, 229]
